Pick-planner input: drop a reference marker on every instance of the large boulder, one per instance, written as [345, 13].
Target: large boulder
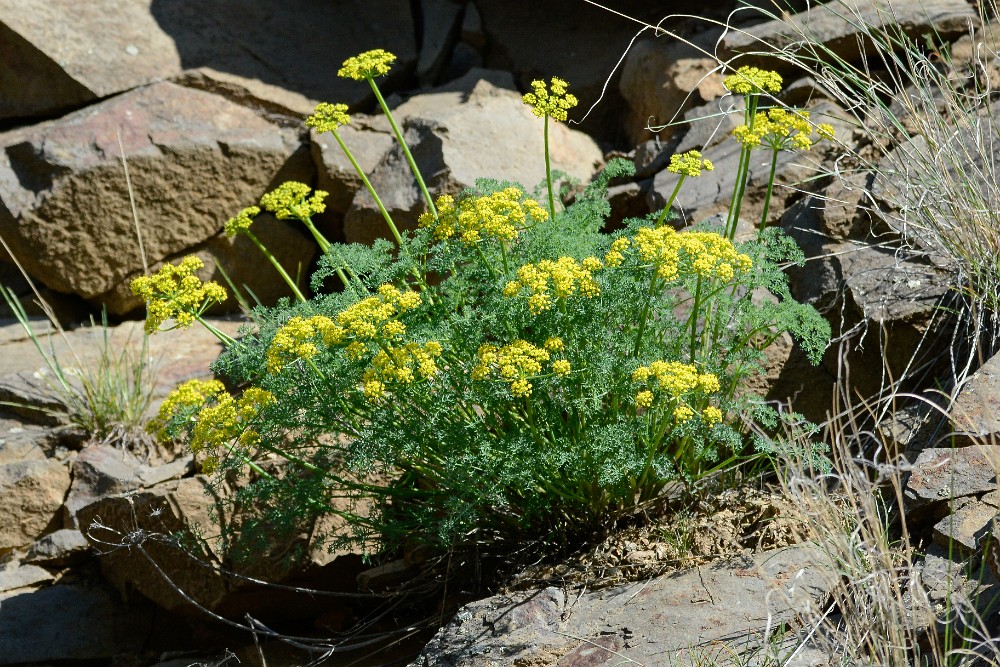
[194, 159]
[486, 132]
[61, 55]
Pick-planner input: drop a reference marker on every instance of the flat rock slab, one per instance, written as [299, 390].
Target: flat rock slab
[59, 54]
[835, 26]
[941, 474]
[32, 493]
[665, 621]
[975, 417]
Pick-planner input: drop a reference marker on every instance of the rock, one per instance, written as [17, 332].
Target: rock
[663, 78]
[710, 124]
[22, 442]
[939, 475]
[58, 56]
[968, 525]
[845, 210]
[584, 50]
[61, 548]
[14, 575]
[645, 621]
[835, 27]
[33, 493]
[975, 416]
[101, 470]
[177, 141]
[441, 21]
[274, 104]
[133, 537]
[368, 138]
[69, 622]
[449, 145]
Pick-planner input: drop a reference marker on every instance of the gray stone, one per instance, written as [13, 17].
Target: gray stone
[968, 525]
[442, 24]
[20, 441]
[663, 621]
[451, 146]
[662, 78]
[975, 415]
[14, 575]
[273, 103]
[69, 622]
[59, 55]
[940, 475]
[64, 205]
[102, 470]
[59, 549]
[835, 26]
[710, 124]
[368, 138]
[33, 493]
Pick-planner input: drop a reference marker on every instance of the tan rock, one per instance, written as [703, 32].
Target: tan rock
[194, 158]
[33, 493]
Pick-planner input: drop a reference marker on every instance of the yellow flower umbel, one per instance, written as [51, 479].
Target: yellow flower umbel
[240, 224]
[401, 365]
[549, 280]
[184, 399]
[226, 425]
[516, 363]
[328, 117]
[176, 292]
[499, 216]
[291, 200]
[752, 80]
[677, 383]
[296, 340]
[553, 103]
[684, 164]
[705, 254]
[367, 65]
[779, 130]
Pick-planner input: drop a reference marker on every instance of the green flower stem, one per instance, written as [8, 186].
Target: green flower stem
[548, 172]
[224, 338]
[670, 202]
[406, 149]
[276, 265]
[694, 319]
[645, 313]
[486, 262]
[246, 459]
[770, 187]
[742, 171]
[381, 207]
[326, 247]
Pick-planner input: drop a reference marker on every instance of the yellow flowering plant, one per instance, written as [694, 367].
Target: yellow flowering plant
[505, 371]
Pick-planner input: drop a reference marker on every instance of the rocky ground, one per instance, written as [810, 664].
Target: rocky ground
[206, 106]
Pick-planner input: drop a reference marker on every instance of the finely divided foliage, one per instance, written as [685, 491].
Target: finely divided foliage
[503, 372]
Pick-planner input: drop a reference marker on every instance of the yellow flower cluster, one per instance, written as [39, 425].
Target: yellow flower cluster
[289, 200]
[295, 340]
[781, 129]
[560, 278]
[242, 221]
[707, 254]
[689, 164]
[373, 317]
[499, 216]
[676, 379]
[226, 420]
[328, 117]
[615, 255]
[400, 364]
[515, 363]
[553, 102]
[176, 292]
[367, 65]
[750, 80]
[186, 396]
